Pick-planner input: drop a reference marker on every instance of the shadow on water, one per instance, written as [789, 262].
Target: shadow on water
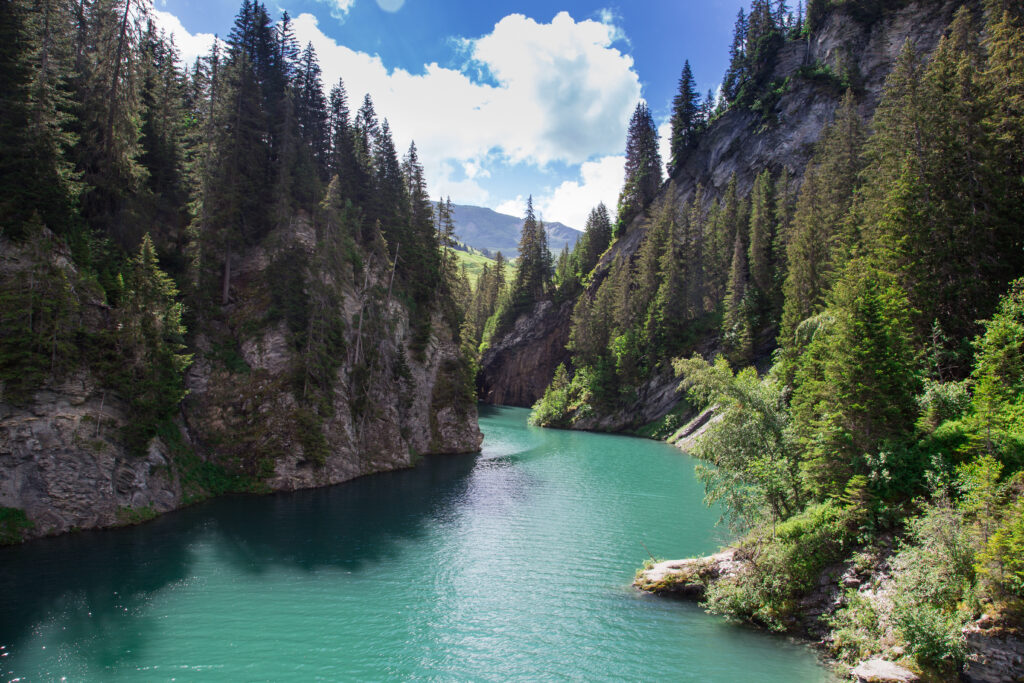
[344, 526]
[83, 583]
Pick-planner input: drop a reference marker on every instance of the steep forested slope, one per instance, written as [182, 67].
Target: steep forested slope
[214, 277]
[851, 311]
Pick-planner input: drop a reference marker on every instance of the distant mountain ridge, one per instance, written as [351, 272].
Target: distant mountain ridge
[489, 231]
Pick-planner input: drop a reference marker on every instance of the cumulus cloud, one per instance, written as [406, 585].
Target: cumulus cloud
[559, 92]
[189, 45]
[339, 8]
[555, 92]
[571, 202]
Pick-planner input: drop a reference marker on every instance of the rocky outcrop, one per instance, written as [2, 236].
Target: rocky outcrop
[517, 367]
[689, 578]
[881, 671]
[62, 464]
[687, 436]
[996, 652]
[393, 395]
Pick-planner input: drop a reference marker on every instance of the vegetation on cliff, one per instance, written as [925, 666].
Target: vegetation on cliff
[885, 280]
[137, 190]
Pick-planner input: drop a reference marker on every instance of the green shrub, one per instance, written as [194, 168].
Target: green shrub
[857, 631]
[1001, 562]
[933, 636]
[13, 525]
[942, 401]
[785, 565]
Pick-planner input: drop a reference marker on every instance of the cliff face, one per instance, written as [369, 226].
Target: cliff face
[516, 368]
[743, 143]
[248, 416]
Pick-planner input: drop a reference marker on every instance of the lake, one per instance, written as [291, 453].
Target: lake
[513, 564]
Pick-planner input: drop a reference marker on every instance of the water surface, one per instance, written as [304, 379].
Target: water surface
[514, 564]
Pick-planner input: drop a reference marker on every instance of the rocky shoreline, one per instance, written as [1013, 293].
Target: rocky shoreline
[995, 653]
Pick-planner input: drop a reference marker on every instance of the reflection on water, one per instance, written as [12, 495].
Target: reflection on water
[511, 564]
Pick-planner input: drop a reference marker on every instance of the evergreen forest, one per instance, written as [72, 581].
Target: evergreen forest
[856, 327]
[135, 191]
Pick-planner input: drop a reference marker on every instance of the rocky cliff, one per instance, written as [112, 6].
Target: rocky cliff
[744, 143]
[251, 420]
[517, 367]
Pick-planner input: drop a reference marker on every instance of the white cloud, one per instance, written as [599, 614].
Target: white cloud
[557, 92]
[665, 143]
[389, 5]
[339, 8]
[513, 207]
[465, 191]
[571, 202]
[563, 93]
[189, 45]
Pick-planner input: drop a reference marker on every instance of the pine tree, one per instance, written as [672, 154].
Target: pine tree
[737, 334]
[686, 119]
[822, 235]
[108, 150]
[596, 238]
[737, 72]
[929, 213]
[534, 266]
[389, 192]
[37, 177]
[855, 385]
[762, 228]
[162, 142]
[311, 111]
[343, 162]
[643, 167]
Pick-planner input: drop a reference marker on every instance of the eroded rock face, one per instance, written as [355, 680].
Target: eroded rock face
[995, 653]
[517, 368]
[63, 461]
[743, 143]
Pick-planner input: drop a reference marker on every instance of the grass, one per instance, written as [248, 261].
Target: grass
[474, 262]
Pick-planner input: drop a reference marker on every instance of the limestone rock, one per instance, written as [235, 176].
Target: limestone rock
[690, 577]
[882, 671]
[995, 654]
[516, 369]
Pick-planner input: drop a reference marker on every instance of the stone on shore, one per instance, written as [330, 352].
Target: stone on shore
[882, 671]
[688, 578]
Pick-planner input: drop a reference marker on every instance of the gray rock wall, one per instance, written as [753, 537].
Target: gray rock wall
[63, 462]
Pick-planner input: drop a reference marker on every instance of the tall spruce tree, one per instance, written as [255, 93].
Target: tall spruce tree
[686, 119]
[823, 234]
[643, 167]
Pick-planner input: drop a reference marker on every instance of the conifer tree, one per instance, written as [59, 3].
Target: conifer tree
[686, 119]
[311, 110]
[643, 167]
[737, 334]
[343, 162]
[37, 177]
[737, 72]
[534, 265]
[823, 234]
[762, 228]
[596, 238]
[856, 384]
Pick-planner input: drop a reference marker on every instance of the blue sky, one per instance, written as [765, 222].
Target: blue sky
[504, 99]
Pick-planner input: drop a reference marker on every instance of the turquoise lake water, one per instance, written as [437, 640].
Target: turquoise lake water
[514, 564]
